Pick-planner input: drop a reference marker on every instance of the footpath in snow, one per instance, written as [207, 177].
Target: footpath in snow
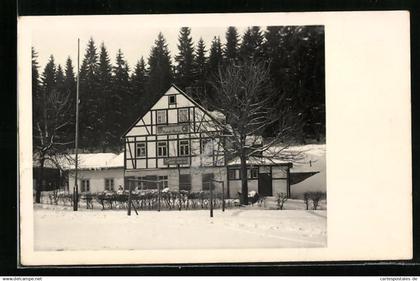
[59, 229]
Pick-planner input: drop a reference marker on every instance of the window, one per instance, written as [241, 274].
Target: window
[231, 174]
[183, 115]
[208, 181]
[235, 174]
[85, 186]
[161, 117]
[185, 182]
[206, 147]
[163, 182]
[252, 173]
[162, 148]
[184, 148]
[109, 184]
[140, 149]
[172, 100]
[150, 182]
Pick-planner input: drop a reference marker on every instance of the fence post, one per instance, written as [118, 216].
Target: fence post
[129, 197]
[223, 196]
[211, 200]
[158, 183]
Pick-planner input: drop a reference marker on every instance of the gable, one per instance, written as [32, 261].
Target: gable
[180, 99]
[144, 124]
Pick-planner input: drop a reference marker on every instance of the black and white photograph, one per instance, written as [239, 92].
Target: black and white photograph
[169, 136]
[212, 143]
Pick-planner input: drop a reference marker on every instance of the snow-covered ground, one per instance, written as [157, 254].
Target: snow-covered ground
[291, 204]
[58, 228]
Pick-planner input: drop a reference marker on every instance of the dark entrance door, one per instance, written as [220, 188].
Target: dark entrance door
[265, 185]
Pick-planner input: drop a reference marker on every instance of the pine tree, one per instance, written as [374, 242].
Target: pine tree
[215, 57]
[50, 139]
[273, 43]
[252, 44]
[105, 101]
[70, 88]
[36, 92]
[69, 73]
[89, 98]
[232, 43]
[200, 57]
[200, 66]
[121, 100]
[160, 69]
[70, 81]
[59, 82]
[274, 50]
[138, 87]
[104, 68]
[308, 68]
[296, 56]
[214, 64]
[184, 74]
[59, 77]
[139, 76]
[49, 77]
[35, 74]
[48, 85]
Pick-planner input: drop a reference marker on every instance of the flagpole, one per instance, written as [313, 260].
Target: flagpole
[76, 189]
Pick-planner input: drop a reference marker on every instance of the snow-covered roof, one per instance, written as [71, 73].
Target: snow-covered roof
[313, 158]
[303, 157]
[217, 115]
[89, 161]
[257, 161]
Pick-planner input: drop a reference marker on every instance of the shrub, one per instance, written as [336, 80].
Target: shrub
[306, 199]
[142, 199]
[315, 197]
[281, 198]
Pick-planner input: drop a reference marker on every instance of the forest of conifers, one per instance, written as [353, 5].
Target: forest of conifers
[112, 94]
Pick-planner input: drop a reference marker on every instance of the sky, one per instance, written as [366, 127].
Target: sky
[135, 36]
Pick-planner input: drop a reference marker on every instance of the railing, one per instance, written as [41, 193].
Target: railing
[142, 200]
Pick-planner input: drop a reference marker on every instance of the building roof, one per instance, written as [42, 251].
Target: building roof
[303, 157]
[298, 177]
[258, 161]
[97, 161]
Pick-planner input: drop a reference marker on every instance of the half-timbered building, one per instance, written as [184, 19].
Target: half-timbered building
[178, 144]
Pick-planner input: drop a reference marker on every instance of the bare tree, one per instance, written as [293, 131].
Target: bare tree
[243, 94]
[50, 139]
